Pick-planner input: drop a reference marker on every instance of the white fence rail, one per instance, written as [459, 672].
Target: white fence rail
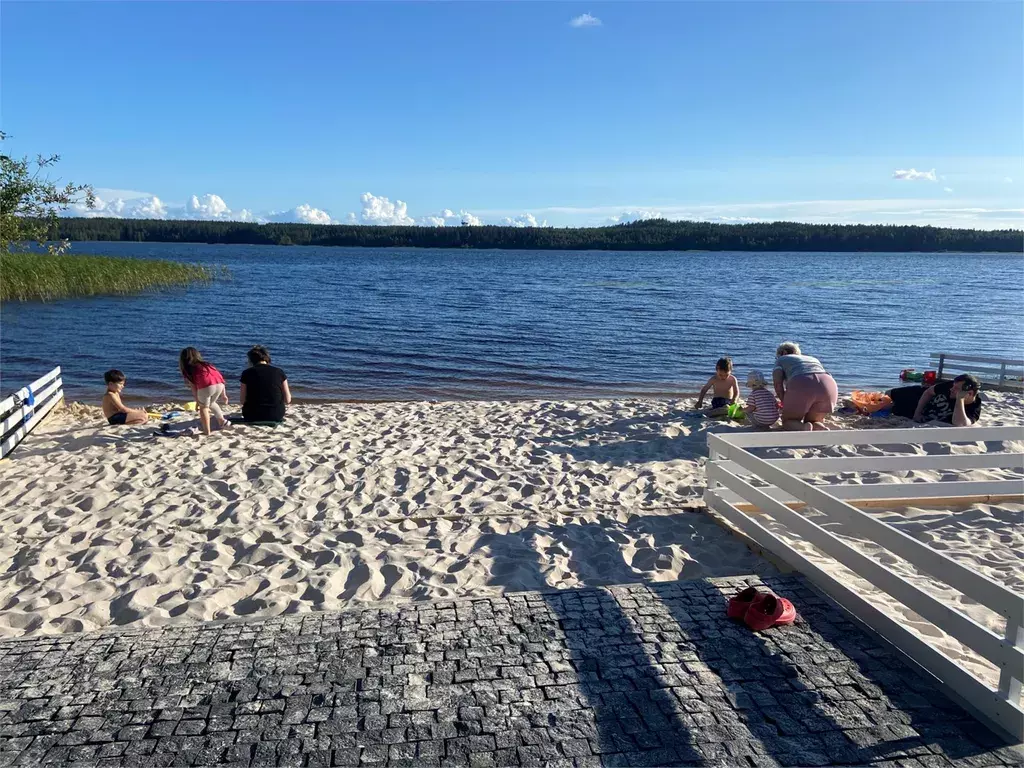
[779, 493]
[22, 411]
[997, 372]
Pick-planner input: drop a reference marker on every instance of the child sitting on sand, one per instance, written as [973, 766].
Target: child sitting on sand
[725, 390]
[114, 410]
[762, 408]
[207, 385]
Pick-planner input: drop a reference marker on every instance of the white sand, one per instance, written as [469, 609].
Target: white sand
[351, 502]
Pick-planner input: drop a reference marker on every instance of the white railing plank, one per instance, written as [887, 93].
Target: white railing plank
[951, 370]
[978, 586]
[901, 462]
[963, 628]
[1001, 712]
[913, 436]
[1010, 678]
[897, 492]
[1009, 361]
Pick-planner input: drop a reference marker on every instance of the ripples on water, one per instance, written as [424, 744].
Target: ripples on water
[404, 324]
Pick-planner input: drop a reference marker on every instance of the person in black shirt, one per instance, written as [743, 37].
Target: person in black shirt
[955, 402]
[265, 391]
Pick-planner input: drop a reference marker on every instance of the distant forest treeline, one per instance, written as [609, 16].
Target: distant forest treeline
[651, 235]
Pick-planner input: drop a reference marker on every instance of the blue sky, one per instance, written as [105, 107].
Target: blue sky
[490, 111]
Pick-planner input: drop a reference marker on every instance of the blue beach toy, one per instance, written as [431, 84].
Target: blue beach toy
[29, 404]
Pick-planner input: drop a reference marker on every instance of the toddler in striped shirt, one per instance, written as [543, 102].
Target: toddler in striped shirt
[762, 408]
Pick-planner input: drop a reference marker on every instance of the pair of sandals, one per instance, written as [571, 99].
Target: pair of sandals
[760, 610]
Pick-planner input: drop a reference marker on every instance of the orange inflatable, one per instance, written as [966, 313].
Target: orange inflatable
[869, 402]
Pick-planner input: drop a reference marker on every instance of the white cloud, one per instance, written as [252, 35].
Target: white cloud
[380, 210]
[584, 20]
[913, 174]
[302, 214]
[146, 206]
[450, 218]
[151, 207]
[523, 220]
[627, 217]
[108, 193]
[207, 207]
[948, 189]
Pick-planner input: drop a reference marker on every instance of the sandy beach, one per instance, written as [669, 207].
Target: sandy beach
[398, 501]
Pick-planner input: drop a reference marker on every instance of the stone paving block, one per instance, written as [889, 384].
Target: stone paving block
[639, 674]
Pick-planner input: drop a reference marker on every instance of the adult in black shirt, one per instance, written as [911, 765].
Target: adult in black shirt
[955, 402]
[265, 391]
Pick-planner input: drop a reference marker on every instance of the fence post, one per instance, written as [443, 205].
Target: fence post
[1009, 679]
[1002, 375]
[942, 361]
[712, 458]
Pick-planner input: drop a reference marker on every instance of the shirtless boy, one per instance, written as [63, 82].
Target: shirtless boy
[723, 386]
[114, 410]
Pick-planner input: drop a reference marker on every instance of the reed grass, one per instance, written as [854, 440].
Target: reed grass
[44, 277]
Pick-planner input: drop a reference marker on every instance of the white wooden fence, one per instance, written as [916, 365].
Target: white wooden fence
[780, 493]
[995, 372]
[22, 411]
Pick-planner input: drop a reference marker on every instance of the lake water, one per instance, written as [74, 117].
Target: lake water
[383, 324]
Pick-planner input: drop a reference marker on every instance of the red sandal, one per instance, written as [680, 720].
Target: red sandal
[740, 603]
[771, 611]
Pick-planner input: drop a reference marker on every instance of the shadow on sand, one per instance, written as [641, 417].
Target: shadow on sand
[670, 435]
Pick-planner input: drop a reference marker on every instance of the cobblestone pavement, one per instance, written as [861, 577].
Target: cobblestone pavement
[650, 674]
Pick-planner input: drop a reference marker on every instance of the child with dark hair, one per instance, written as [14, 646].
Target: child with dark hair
[265, 391]
[724, 387]
[114, 410]
[207, 386]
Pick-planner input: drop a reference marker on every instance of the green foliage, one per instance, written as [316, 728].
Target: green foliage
[42, 277]
[29, 204]
[654, 235]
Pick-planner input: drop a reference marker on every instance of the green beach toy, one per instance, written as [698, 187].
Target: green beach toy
[735, 411]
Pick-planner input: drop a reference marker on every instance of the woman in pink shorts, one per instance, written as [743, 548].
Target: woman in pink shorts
[808, 393]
